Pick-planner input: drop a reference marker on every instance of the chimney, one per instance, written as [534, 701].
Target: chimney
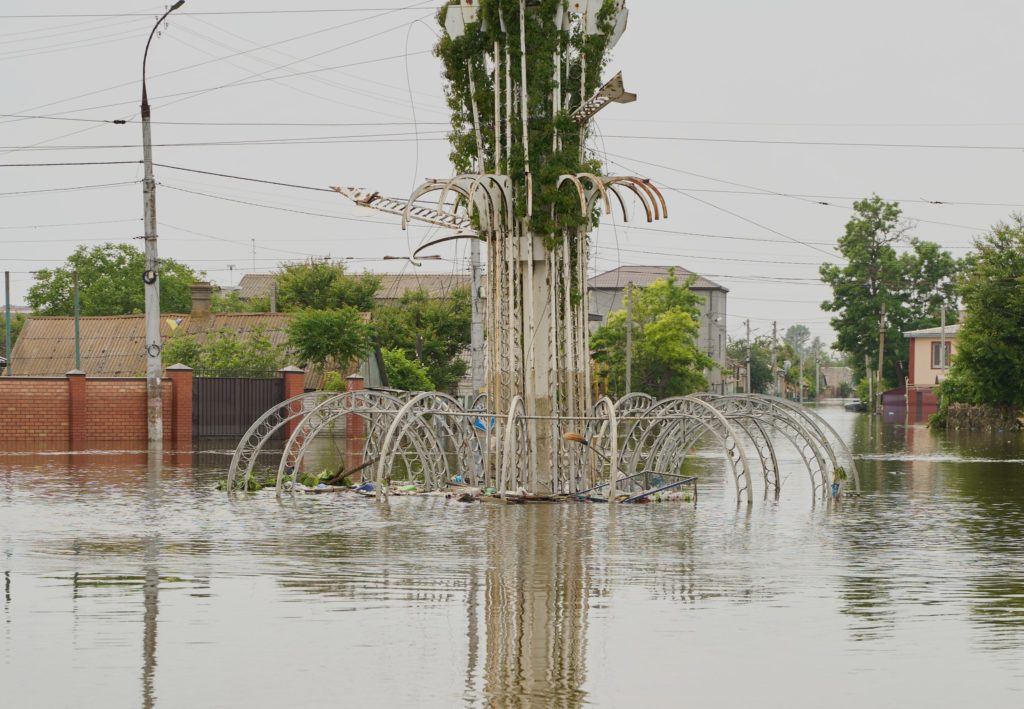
[202, 293]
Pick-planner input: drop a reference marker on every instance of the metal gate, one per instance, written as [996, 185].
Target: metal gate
[227, 406]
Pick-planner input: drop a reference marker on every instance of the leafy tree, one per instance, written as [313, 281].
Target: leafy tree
[910, 287]
[230, 302]
[110, 283]
[666, 323]
[798, 336]
[989, 364]
[330, 339]
[431, 331]
[404, 373]
[226, 353]
[760, 362]
[316, 285]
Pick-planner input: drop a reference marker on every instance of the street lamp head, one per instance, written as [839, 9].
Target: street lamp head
[176, 5]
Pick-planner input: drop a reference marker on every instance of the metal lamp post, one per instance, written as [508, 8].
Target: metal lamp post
[151, 276]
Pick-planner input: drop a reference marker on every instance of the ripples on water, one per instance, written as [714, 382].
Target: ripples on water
[130, 583]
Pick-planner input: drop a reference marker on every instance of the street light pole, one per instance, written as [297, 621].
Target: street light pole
[151, 277]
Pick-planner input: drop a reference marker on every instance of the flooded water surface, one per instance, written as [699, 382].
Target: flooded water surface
[131, 582]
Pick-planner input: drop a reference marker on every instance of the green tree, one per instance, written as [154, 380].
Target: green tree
[225, 352]
[798, 336]
[404, 373]
[666, 323]
[431, 331]
[109, 283]
[760, 362]
[989, 364]
[330, 339]
[316, 285]
[231, 302]
[908, 287]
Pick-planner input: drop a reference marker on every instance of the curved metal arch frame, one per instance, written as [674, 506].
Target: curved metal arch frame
[262, 430]
[369, 404]
[809, 446]
[410, 423]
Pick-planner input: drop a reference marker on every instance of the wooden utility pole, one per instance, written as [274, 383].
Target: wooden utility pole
[869, 373]
[629, 337]
[7, 319]
[748, 356]
[775, 355]
[881, 353]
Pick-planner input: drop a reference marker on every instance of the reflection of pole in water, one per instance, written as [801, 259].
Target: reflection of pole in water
[151, 585]
[535, 600]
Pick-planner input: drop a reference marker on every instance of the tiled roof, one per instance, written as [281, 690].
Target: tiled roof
[115, 346]
[392, 285]
[643, 276]
[951, 331]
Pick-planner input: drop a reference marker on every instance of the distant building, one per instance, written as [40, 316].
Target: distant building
[834, 380]
[927, 368]
[608, 295]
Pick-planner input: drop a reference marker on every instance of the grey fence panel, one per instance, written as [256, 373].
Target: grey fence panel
[227, 406]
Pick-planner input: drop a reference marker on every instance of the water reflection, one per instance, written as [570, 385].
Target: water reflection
[536, 600]
[149, 588]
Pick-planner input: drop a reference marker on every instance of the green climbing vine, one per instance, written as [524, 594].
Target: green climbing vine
[471, 63]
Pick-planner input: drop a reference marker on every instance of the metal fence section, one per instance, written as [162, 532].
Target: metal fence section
[227, 405]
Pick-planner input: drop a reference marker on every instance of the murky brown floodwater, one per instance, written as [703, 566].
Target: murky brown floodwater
[129, 584]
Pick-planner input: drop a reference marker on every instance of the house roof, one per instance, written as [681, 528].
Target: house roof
[115, 346]
[643, 276]
[951, 331]
[392, 285]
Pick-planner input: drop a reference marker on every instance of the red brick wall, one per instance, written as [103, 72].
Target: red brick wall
[37, 409]
[34, 409]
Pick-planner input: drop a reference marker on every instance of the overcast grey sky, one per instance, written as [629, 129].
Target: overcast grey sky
[716, 81]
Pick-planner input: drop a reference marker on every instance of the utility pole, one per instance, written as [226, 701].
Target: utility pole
[78, 318]
[629, 337]
[802, 355]
[7, 320]
[869, 373]
[942, 344]
[476, 333]
[817, 378]
[775, 355]
[881, 352]
[151, 277]
[748, 356]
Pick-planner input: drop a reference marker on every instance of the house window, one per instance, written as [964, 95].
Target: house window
[937, 355]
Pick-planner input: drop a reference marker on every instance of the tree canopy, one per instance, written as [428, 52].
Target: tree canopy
[225, 352]
[666, 360]
[989, 364]
[317, 285]
[404, 373]
[109, 283]
[431, 331]
[330, 339]
[909, 286]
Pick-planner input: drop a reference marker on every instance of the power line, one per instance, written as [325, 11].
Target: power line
[222, 12]
[70, 189]
[814, 143]
[66, 224]
[70, 164]
[257, 124]
[322, 140]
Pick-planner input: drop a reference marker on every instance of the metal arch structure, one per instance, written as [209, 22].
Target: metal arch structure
[446, 443]
[375, 408]
[263, 430]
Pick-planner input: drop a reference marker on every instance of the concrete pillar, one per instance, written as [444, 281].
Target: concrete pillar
[181, 405]
[355, 428]
[294, 384]
[77, 433]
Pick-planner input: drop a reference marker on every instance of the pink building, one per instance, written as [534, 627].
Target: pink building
[927, 367]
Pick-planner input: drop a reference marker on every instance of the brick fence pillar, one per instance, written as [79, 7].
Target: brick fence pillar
[181, 405]
[294, 384]
[355, 428]
[77, 433]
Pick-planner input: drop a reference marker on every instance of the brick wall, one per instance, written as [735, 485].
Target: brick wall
[80, 411]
